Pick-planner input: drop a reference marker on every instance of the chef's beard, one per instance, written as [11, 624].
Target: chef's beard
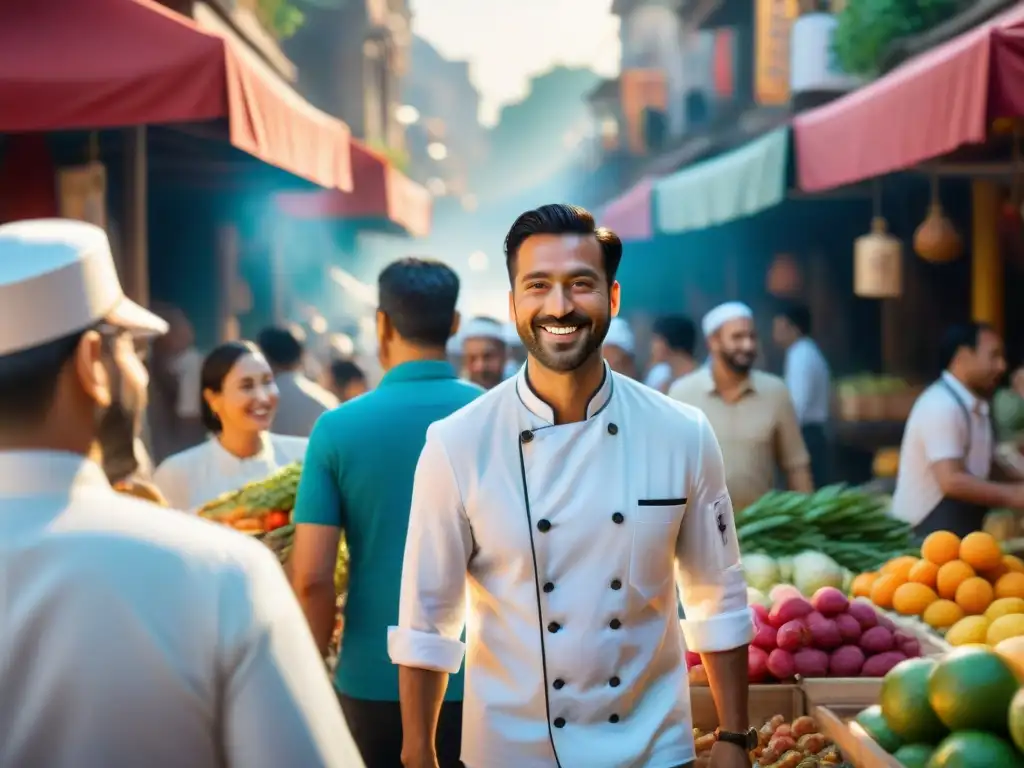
[591, 336]
[117, 426]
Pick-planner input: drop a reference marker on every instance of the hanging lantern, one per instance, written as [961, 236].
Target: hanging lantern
[784, 278]
[878, 263]
[937, 240]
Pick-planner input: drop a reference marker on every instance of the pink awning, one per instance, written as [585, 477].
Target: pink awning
[928, 107]
[629, 215]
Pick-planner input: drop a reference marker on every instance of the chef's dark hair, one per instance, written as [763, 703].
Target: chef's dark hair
[216, 367]
[959, 336]
[678, 331]
[281, 346]
[419, 297]
[562, 219]
[345, 371]
[28, 380]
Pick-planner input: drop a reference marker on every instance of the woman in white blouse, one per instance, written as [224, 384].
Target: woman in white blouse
[239, 398]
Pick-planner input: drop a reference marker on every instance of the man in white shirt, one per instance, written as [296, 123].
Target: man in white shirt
[620, 348]
[302, 401]
[484, 352]
[946, 453]
[132, 635]
[809, 382]
[566, 499]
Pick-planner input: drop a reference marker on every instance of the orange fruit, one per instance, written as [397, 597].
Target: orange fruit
[899, 566]
[1010, 585]
[861, 586]
[981, 551]
[942, 614]
[911, 599]
[994, 574]
[952, 575]
[884, 588]
[941, 547]
[974, 595]
[924, 572]
[1013, 564]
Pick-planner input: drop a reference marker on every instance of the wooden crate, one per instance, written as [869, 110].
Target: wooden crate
[853, 741]
[765, 701]
[845, 696]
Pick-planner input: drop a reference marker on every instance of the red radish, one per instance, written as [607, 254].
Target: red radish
[782, 744]
[825, 635]
[792, 636]
[757, 664]
[814, 618]
[879, 666]
[760, 613]
[846, 661]
[810, 662]
[910, 647]
[877, 640]
[849, 628]
[787, 610]
[829, 602]
[780, 664]
[764, 638]
[692, 659]
[864, 613]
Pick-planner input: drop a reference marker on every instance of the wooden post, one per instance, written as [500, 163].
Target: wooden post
[987, 275]
[227, 272]
[135, 252]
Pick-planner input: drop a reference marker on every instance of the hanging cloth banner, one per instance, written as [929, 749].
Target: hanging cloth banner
[739, 183]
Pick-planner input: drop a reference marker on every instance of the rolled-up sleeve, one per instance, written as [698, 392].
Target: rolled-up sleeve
[432, 607]
[712, 588]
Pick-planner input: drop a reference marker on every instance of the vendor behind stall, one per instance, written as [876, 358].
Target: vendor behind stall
[946, 454]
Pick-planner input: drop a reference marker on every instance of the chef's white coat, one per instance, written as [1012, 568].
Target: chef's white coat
[136, 636]
[567, 537]
[202, 473]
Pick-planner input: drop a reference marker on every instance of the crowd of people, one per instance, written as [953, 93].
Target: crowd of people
[523, 510]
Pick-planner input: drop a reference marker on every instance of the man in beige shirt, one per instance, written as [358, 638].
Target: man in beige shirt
[301, 401]
[751, 411]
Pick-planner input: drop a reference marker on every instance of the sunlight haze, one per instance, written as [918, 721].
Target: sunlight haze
[509, 41]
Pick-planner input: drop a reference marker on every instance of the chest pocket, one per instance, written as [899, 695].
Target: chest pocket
[655, 527]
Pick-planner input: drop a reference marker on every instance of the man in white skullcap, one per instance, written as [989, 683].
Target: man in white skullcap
[620, 348]
[751, 411]
[133, 635]
[482, 342]
[515, 353]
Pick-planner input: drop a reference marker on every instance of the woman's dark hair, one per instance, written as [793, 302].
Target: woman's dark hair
[216, 367]
[562, 219]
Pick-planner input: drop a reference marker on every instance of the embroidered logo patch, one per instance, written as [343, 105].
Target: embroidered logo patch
[721, 507]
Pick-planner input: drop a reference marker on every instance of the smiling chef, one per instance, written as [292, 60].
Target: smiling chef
[565, 499]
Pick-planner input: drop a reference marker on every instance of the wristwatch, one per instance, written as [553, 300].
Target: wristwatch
[746, 740]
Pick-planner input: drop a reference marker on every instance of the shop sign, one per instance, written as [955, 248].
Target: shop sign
[813, 64]
[83, 193]
[878, 264]
[774, 21]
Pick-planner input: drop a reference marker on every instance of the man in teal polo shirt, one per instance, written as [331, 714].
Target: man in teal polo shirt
[357, 478]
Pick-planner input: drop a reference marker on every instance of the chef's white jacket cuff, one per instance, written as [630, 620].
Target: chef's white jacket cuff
[719, 633]
[424, 650]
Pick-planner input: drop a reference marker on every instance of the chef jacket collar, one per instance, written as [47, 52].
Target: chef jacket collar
[36, 473]
[542, 410]
[968, 398]
[712, 388]
[227, 458]
[418, 370]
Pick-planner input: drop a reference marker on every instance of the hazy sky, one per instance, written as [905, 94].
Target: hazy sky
[509, 41]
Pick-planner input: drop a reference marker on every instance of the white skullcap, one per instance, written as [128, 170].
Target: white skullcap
[482, 328]
[57, 277]
[620, 335]
[723, 313]
[454, 346]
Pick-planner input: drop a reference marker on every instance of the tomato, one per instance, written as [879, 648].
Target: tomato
[276, 519]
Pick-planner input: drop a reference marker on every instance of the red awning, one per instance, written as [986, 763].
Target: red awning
[79, 64]
[382, 192]
[926, 108]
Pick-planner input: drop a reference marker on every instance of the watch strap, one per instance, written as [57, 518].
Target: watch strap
[747, 740]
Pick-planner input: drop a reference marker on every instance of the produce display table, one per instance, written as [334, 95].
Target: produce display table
[857, 747]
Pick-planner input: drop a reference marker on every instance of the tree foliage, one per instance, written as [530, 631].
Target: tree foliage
[866, 28]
